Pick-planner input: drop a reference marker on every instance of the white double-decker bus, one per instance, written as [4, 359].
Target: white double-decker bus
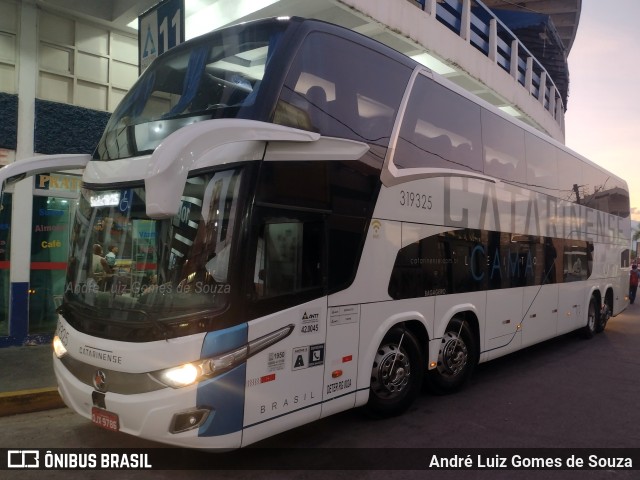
[309, 221]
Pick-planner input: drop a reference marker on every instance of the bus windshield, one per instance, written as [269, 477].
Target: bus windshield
[129, 274]
[216, 77]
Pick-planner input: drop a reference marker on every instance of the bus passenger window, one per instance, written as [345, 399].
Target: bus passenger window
[440, 129]
[288, 258]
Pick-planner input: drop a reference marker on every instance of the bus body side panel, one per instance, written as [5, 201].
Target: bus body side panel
[284, 383]
[540, 314]
[503, 332]
[571, 307]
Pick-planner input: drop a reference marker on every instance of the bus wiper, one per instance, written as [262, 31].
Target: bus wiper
[71, 306]
[155, 322]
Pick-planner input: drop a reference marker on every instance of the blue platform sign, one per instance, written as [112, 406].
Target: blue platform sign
[159, 29]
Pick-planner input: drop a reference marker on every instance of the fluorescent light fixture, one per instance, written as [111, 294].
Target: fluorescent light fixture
[509, 110]
[433, 63]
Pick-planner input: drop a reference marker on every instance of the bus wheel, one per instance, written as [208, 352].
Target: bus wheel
[396, 375]
[605, 315]
[457, 358]
[589, 330]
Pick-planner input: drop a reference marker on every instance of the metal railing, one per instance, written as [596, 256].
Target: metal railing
[484, 31]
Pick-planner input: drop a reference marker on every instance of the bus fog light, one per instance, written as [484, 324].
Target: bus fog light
[181, 422]
[58, 348]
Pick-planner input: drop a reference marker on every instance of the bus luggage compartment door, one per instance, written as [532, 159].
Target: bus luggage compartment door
[340, 373]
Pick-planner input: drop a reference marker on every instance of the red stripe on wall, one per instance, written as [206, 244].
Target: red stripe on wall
[145, 266]
[48, 265]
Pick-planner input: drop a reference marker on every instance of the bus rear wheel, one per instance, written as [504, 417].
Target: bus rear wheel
[396, 374]
[605, 314]
[457, 358]
[593, 318]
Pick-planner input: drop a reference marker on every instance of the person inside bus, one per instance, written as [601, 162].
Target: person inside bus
[100, 269]
[151, 286]
[577, 267]
[111, 255]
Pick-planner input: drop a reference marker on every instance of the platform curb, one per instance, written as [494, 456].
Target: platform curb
[27, 401]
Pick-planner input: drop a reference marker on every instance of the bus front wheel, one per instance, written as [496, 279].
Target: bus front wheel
[457, 357]
[396, 374]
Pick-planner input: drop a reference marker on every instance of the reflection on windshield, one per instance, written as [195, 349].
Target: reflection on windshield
[216, 77]
[135, 266]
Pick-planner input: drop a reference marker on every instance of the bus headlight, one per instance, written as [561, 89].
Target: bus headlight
[58, 348]
[190, 373]
[180, 376]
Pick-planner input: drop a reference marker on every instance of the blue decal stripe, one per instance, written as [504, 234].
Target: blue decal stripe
[223, 394]
[222, 341]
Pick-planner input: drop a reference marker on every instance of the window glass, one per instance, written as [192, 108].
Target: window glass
[569, 177]
[603, 192]
[5, 237]
[288, 257]
[342, 89]
[164, 269]
[503, 142]
[594, 183]
[542, 166]
[472, 260]
[440, 129]
[49, 250]
[217, 76]
[452, 262]
[300, 184]
[578, 260]
[618, 199]
[343, 193]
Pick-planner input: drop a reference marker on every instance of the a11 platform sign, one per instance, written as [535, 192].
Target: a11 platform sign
[160, 28]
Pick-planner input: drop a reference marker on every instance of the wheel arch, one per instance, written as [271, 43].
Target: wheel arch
[608, 295]
[413, 321]
[467, 313]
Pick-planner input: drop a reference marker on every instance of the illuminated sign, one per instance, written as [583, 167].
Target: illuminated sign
[105, 199]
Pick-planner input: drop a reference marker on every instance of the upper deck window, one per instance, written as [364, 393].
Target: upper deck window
[216, 76]
[340, 88]
[440, 129]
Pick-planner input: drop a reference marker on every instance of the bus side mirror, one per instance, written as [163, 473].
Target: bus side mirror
[21, 169]
[200, 145]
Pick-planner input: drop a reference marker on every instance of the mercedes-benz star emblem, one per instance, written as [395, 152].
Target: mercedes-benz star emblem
[100, 381]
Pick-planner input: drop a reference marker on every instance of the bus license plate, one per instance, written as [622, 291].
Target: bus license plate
[105, 419]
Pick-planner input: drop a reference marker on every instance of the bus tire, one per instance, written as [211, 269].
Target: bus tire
[396, 375]
[457, 358]
[605, 315]
[593, 318]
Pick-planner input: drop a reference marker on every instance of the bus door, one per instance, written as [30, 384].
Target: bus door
[284, 383]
